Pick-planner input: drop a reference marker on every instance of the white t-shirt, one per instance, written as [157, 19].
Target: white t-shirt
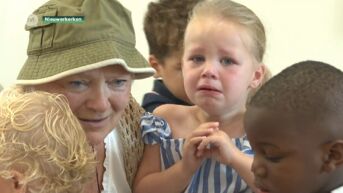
[338, 190]
[114, 180]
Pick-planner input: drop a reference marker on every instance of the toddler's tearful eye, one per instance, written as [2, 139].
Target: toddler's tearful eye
[226, 61]
[197, 59]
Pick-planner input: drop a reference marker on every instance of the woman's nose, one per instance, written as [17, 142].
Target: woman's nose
[99, 99]
[258, 169]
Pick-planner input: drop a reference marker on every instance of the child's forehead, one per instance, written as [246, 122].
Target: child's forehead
[175, 53]
[230, 31]
[258, 118]
[213, 22]
[286, 125]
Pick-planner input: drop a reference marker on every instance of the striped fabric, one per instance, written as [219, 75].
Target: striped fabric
[212, 176]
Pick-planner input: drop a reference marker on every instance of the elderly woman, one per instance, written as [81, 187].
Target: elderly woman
[91, 60]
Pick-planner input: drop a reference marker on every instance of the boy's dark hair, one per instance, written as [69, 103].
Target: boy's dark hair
[310, 87]
[164, 25]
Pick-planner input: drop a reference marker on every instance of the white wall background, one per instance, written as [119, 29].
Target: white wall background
[296, 30]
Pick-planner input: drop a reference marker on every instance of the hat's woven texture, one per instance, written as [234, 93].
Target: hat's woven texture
[130, 134]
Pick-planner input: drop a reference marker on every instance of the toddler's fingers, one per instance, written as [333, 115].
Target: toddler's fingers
[209, 125]
[201, 132]
[205, 129]
[199, 153]
[194, 141]
[204, 144]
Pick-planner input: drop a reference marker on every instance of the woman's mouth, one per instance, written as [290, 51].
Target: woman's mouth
[94, 123]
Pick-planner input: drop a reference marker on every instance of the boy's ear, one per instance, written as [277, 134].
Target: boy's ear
[258, 76]
[155, 63]
[17, 180]
[333, 155]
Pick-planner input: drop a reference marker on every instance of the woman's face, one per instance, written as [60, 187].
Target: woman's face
[97, 98]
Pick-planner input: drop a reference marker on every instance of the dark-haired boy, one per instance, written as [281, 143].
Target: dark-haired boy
[164, 26]
[295, 126]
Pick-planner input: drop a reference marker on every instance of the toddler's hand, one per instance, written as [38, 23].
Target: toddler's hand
[191, 161]
[219, 146]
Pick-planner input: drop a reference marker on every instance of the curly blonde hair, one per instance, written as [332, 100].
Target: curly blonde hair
[41, 138]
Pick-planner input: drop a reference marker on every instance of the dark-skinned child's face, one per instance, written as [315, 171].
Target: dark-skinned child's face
[289, 155]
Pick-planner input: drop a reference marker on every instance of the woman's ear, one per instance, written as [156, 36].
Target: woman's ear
[17, 182]
[258, 76]
[155, 63]
[333, 155]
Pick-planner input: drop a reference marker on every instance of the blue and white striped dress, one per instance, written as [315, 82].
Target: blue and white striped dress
[212, 176]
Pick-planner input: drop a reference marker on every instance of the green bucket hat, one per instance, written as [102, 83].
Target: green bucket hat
[69, 37]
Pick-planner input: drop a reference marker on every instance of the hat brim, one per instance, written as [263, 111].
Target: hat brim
[39, 69]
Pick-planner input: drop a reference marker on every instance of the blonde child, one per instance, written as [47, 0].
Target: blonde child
[39, 152]
[294, 124]
[203, 148]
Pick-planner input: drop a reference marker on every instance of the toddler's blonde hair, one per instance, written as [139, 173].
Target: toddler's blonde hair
[42, 139]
